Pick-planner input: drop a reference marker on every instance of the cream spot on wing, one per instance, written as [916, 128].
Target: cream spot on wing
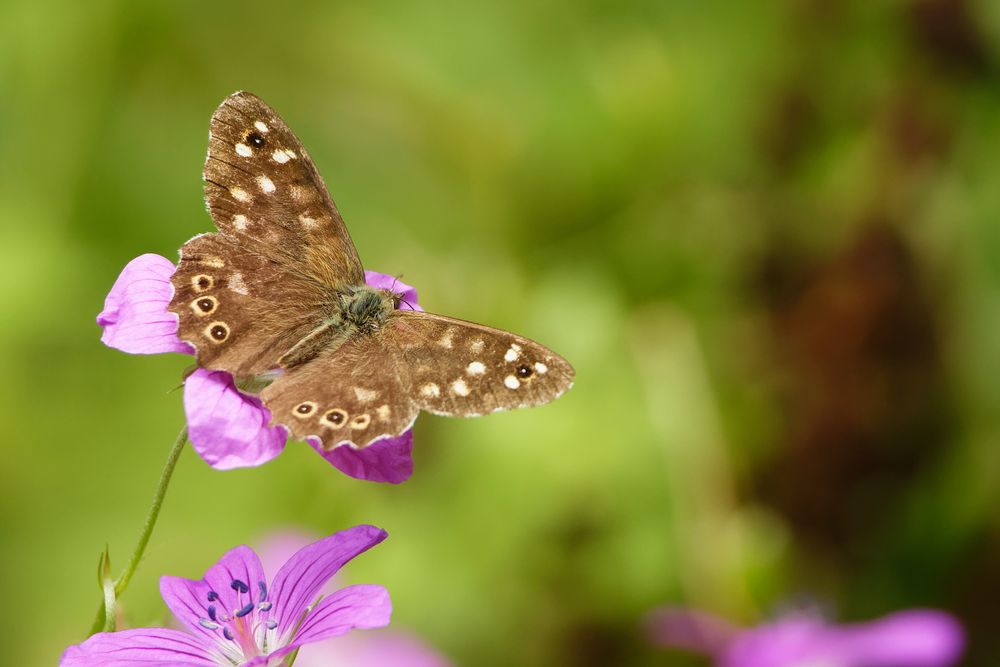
[513, 353]
[334, 418]
[541, 368]
[476, 368]
[239, 194]
[261, 126]
[511, 382]
[365, 394]
[430, 390]
[361, 422]
[217, 332]
[477, 345]
[384, 412]
[214, 262]
[266, 184]
[307, 221]
[305, 409]
[280, 156]
[205, 305]
[300, 193]
[201, 282]
[243, 150]
[240, 222]
[445, 340]
[459, 388]
[237, 285]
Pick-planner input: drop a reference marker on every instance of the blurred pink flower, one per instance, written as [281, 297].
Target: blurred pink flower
[913, 638]
[233, 617]
[228, 427]
[377, 648]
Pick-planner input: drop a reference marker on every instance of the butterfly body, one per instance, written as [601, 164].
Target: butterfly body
[358, 311]
[280, 286]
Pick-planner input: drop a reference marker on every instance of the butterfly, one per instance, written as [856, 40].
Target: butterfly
[279, 291]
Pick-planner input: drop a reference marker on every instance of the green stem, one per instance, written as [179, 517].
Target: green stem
[147, 529]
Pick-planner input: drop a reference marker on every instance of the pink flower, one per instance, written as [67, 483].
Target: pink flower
[913, 638]
[230, 428]
[234, 617]
[378, 648]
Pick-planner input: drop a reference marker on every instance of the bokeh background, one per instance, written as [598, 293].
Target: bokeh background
[767, 234]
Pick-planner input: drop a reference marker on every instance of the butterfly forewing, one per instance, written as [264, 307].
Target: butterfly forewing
[246, 295]
[463, 369]
[239, 309]
[261, 186]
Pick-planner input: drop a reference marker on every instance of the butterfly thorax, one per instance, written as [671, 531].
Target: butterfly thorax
[365, 308]
[354, 311]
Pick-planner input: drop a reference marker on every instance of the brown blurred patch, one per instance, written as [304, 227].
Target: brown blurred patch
[947, 31]
[856, 339]
[974, 597]
[789, 127]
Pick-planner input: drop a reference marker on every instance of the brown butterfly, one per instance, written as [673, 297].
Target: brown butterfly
[280, 286]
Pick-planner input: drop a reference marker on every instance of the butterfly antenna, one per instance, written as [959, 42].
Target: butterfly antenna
[402, 301]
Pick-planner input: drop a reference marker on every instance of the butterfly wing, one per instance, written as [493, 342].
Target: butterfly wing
[374, 386]
[246, 295]
[262, 187]
[463, 369]
[354, 394]
[239, 309]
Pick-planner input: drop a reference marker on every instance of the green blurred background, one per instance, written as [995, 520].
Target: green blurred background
[766, 234]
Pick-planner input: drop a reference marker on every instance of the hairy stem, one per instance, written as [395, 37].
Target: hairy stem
[147, 528]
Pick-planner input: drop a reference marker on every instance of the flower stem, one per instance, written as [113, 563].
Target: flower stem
[147, 528]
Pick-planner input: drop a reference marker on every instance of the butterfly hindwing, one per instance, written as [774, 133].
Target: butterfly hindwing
[353, 394]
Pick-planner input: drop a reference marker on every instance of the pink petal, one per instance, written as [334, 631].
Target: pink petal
[408, 293]
[375, 648]
[354, 607]
[229, 429]
[783, 643]
[147, 647]
[917, 638]
[135, 317]
[300, 580]
[907, 639]
[386, 460]
[188, 598]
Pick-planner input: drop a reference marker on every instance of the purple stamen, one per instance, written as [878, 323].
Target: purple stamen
[207, 624]
[264, 606]
[271, 624]
[263, 590]
[227, 634]
[239, 586]
[211, 612]
[244, 611]
[212, 596]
